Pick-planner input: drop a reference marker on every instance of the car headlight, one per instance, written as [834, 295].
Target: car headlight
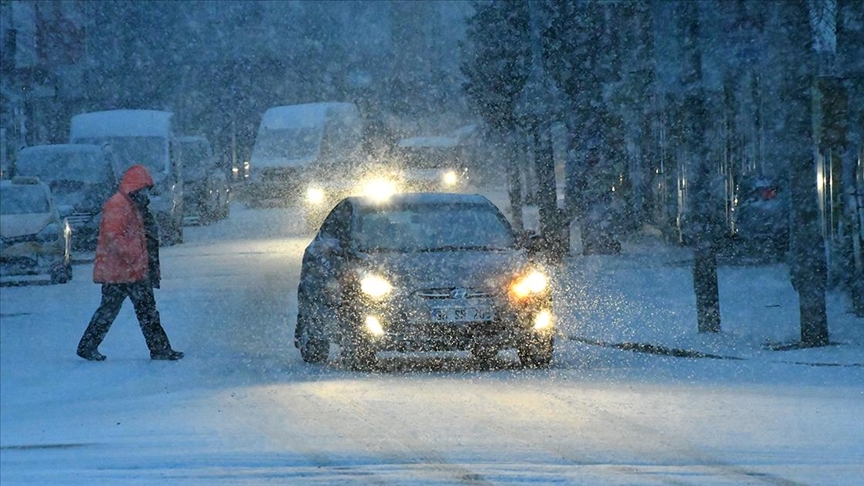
[379, 190]
[375, 286]
[533, 283]
[49, 233]
[450, 178]
[315, 195]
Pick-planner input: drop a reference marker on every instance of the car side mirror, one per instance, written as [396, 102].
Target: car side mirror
[530, 241]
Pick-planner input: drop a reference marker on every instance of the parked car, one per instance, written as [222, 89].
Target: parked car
[34, 239]
[761, 214]
[421, 272]
[206, 192]
[81, 177]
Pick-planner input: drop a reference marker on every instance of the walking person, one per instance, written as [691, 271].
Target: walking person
[127, 265]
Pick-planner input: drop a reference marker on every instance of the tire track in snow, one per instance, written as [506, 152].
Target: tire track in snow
[380, 433]
[682, 451]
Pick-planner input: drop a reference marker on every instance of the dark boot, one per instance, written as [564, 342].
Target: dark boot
[91, 354]
[166, 355]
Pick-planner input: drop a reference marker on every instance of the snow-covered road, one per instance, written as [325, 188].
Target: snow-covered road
[242, 408]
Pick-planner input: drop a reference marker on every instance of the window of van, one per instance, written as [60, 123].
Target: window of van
[289, 143]
[49, 165]
[128, 151]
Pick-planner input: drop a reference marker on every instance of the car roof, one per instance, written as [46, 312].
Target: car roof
[420, 198]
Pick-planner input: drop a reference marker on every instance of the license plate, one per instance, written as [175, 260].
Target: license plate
[462, 314]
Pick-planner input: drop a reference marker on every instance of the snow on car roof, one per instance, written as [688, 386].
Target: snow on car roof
[422, 198]
[59, 149]
[121, 123]
[305, 115]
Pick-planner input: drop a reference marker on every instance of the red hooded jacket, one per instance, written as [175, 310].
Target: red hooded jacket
[121, 251]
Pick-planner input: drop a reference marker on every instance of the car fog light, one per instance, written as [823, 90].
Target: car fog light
[379, 190]
[450, 178]
[373, 325]
[315, 195]
[543, 320]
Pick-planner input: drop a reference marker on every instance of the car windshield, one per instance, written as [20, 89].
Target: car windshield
[429, 157]
[23, 199]
[151, 152]
[433, 227]
[49, 165]
[195, 162]
[290, 143]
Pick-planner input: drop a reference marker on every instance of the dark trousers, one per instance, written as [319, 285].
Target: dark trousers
[113, 295]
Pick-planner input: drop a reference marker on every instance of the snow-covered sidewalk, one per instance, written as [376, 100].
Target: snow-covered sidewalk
[643, 300]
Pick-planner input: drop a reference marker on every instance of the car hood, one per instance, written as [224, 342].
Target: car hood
[14, 225]
[427, 270]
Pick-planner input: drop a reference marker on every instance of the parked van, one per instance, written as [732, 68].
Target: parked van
[81, 178]
[205, 186]
[141, 137]
[306, 154]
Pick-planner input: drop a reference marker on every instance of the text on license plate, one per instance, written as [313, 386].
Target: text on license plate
[462, 314]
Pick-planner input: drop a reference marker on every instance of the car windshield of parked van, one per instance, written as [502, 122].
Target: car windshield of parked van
[433, 227]
[288, 143]
[85, 166]
[151, 152]
[23, 199]
[429, 157]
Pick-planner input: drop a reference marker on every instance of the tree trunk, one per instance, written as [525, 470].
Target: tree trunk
[547, 196]
[514, 179]
[704, 206]
[808, 266]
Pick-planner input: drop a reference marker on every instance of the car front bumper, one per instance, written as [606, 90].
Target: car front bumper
[408, 326]
[32, 258]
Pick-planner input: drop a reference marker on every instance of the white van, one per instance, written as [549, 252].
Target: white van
[141, 137]
[314, 146]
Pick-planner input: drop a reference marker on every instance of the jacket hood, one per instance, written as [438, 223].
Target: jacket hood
[136, 177]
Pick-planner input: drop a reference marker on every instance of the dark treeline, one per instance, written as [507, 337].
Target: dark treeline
[668, 105]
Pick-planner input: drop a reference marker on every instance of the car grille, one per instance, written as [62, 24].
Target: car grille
[17, 263]
[78, 219]
[441, 337]
[455, 293]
